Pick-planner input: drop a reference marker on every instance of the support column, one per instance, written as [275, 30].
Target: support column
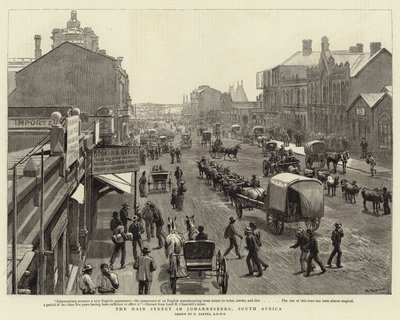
[73, 231]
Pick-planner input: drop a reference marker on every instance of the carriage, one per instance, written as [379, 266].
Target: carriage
[164, 144]
[236, 131]
[186, 141]
[315, 151]
[269, 147]
[289, 198]
[217, 129]
[160, 180]
[217, 149]
[200, 259]
[290, 164]
[258, 132]
[206, 138]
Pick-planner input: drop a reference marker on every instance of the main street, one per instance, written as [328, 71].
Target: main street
[366, 245]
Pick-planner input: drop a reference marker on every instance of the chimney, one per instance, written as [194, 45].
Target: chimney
[374, 47]
[360, 47]
[119, 61]
[324, 44]
[102, 52]
[307, 47]
[38, 51]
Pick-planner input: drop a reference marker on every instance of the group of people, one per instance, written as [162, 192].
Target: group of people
[178, 193]
[175, 153]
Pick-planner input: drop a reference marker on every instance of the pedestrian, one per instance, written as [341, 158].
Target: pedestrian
[159, 222]
[372, 163]
[86, 283]
[124, 216]
[142, 185]
[257, 235]
[387, 196]
[147, 216]
[136, 229]
[178, 175]
[252, 257]
[336, 238]
[301, 242]
[254, 182]
[145, 267]
[231, 234]
[142, 154]
[312, 245]
[364, 148]
[180, 195]
[178, 155]
[172, 154]
[345, 158]
[107, 281]
[201, 235]
[174, 198]
[118, 238]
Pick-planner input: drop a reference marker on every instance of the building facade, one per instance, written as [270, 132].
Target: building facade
[206, 104]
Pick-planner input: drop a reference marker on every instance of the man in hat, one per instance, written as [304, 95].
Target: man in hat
[372, 163]
[201, 235]
[254, 182]
[387, 196]
[178, 175]
[123, 215]
[147, 216]
[86, 283]
[180, 195]
[364, 148]
[312, 245]
[118, 233]
[172, 153]
[159, 222]
[257, 236]
[231, 234]
[145, 267]
[252, 257]
[136, 228]
[302, 241]
[336, 238]
[107, 281]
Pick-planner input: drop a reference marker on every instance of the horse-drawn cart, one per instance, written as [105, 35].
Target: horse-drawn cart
[217, 149]
[315, 151]
[206, 138]
[289, 198]
[200, 259]
[159, 181]
[289, 164]
[186, 141]
[269, 147]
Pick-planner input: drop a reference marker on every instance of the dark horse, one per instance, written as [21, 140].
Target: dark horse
[349, 190]
[375, 196]
[333, 158]
[232, 151]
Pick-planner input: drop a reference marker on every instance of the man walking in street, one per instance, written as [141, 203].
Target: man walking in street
[145, 267]
[159, 222]
[147, 216]
[124, 216]
[364, 148]
[257, 236]
[387, 196]
[118, 238]
[107, 281]
[336, 238]
[86, 283]
[178, 175]
[312, 245]
[172, 154]
[231, 234]
[302, 241]
[136, 228]
[252, 257]
[180, 195]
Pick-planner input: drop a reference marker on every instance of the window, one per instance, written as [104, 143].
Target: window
[303, 97]
[384, 132]
[291, 96]
[298, 97]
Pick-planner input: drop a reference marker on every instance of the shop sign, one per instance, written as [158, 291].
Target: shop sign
[360, 111]
[29, 123]
[72, 140]
[117, 159]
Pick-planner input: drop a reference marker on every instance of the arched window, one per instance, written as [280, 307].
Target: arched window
[385, 132]
[298, 97]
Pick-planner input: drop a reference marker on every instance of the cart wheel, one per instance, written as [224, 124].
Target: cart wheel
[239, 209]
[218, 267]
[224, 276]
[313, 224]
[274, 224]
[225, 283]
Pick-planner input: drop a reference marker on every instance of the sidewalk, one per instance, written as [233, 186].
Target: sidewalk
[352, 163]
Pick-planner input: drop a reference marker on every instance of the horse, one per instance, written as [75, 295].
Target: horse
[350, 190]
[173, 243]
[333, 158]
[375, 196]
[322, 175]
[191, 228]
[332, 185]
[232, 151]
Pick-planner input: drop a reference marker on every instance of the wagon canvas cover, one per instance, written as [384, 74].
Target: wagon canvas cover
[309, 190]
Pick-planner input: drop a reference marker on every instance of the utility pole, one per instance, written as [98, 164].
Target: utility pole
[14, 233]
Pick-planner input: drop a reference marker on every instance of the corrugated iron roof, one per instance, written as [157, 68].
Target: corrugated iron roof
[372, 98]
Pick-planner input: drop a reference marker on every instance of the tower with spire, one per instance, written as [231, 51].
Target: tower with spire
[238, 95]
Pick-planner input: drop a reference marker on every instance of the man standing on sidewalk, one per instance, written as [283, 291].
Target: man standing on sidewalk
[159, 222]
[124, 216]
[364, 148]
[387, 196]
[145, 267]
[252, 257]
[312, 245]
[147, 216]
[107, 281]
[336, 238]
[231, 234]
[136, 228]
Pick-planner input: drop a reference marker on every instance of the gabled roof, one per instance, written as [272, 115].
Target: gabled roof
[387, 89]
[371, 99]
[60, 47]
[298, 59]
[364, 61]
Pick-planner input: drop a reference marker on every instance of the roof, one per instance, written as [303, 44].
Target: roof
[387, 89]
[371, 99]
[299, 59]
[360, 64]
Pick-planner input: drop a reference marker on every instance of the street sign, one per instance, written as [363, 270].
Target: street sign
[117, 159]
[72, 153]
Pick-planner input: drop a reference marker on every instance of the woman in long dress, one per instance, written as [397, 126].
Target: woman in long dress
[142, 185]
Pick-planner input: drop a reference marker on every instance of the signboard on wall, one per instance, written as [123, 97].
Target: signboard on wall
[72, 153]
[115, 159]
[29, 123]
[360, 111]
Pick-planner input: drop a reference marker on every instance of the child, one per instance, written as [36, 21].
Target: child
[174, 196]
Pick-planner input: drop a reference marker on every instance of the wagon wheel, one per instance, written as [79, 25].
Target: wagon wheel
[265, 168]
[218, 267]
[225, 276]
[173, 276]
[239, 209]
[274, 224]
[313, 223]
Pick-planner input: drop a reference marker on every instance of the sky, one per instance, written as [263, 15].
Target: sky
[168, 53]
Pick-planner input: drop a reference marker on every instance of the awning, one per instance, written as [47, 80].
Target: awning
[79, 194]
[120, 181]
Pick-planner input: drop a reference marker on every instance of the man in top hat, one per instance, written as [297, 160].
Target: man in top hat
[147, 216]
[231, 234]
[312, 245]
[254, 182]
[86, 283]
[124, 217]
[145, 267]
[252, 257]
[336, 238]
[136, 228]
